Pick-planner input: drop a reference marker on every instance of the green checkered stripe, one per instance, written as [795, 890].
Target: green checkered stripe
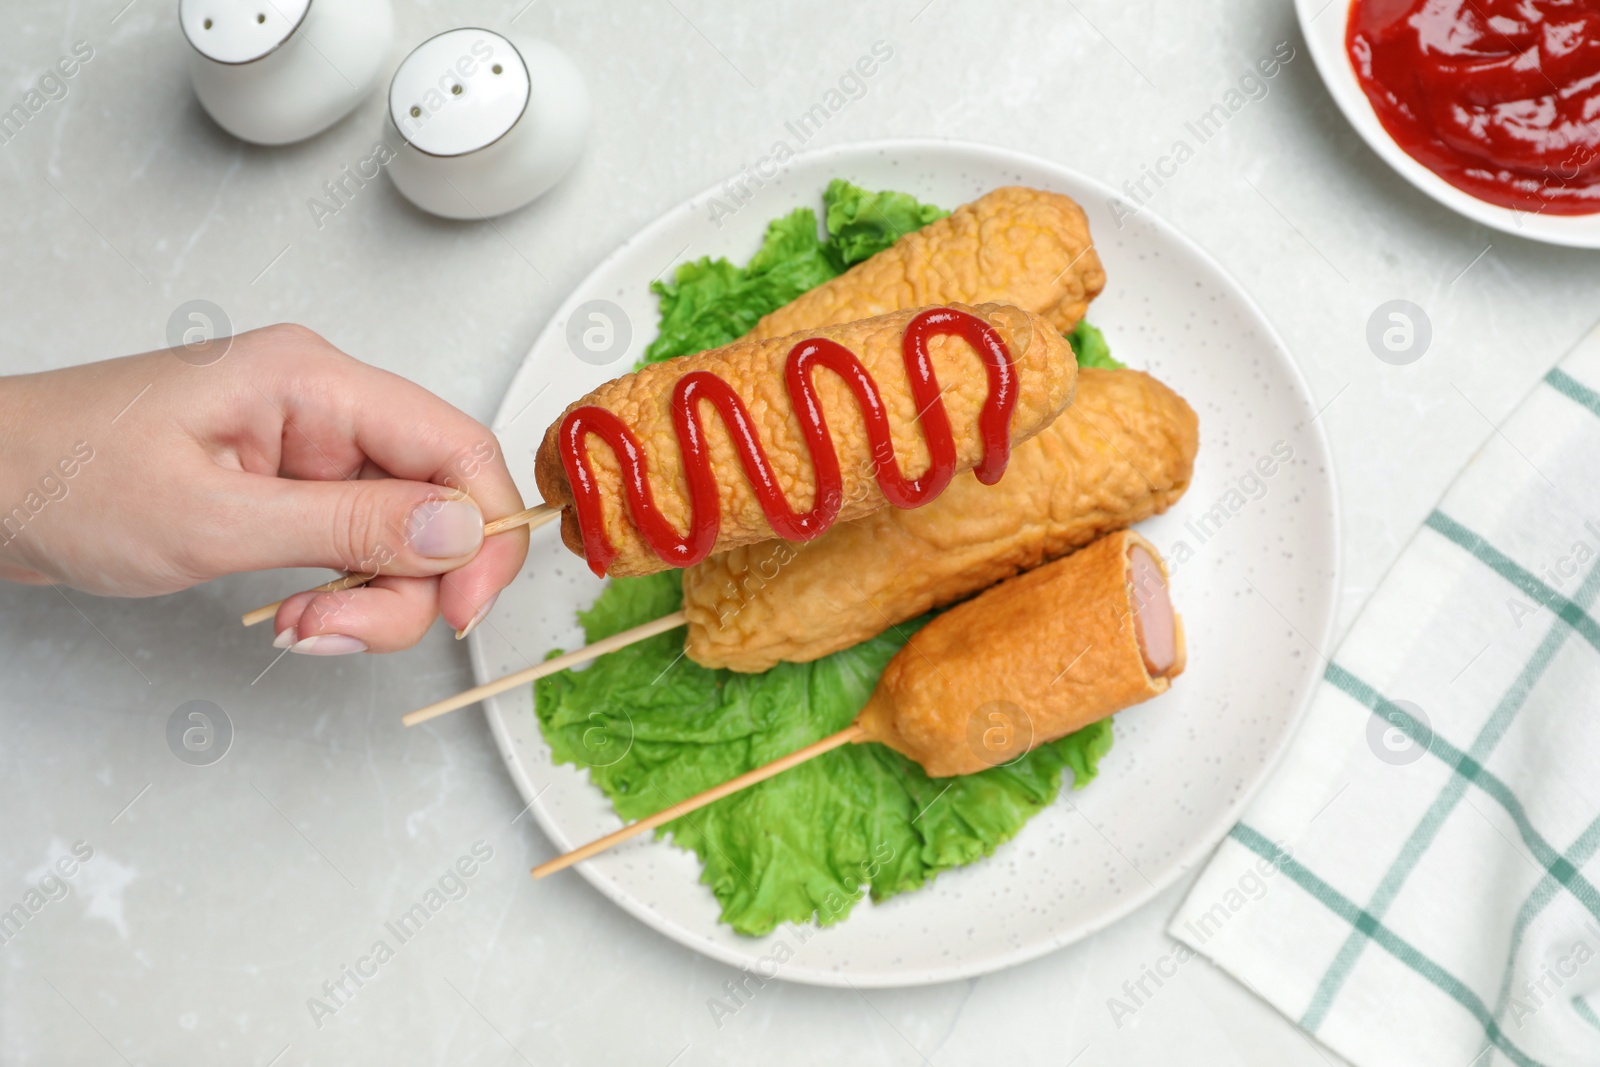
[1562, 870]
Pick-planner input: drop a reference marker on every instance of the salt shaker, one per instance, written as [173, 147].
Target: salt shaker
[276, 71]
[487, 122]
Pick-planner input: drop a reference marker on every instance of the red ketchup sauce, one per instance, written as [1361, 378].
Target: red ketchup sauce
[1500, 98]
[684, 550]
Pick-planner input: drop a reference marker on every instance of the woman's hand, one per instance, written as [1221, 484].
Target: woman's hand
[149, 474]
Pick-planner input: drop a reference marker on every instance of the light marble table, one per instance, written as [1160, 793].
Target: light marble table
[220, 898]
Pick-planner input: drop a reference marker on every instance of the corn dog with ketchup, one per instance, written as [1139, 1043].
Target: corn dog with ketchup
[910, 399]
[1026, 247]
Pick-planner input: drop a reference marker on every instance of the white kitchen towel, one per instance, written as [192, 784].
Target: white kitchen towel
[1419, 882]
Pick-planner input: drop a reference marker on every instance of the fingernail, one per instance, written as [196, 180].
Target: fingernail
[285, 639]
[445, 529]
[479, 616]
[328, 645]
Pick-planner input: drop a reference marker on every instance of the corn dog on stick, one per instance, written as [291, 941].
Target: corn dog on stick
[1031, 660]
[1044, 373]
[1014, 245]
[1027, 247]
[1122, 452]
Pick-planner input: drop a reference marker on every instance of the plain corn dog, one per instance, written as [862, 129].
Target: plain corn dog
[1031, 660]
[1013, 245]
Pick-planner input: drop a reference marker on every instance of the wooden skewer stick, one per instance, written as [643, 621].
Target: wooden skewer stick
[532, 518]
[549, 666]
[695, 803]
[344, 581]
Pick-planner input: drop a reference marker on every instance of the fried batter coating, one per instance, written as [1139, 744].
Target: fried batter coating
[1122, 452]
[1014, 245]
[1029, 661]
[1045, 374]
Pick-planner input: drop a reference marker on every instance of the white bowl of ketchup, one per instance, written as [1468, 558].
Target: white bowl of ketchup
[1542, 149]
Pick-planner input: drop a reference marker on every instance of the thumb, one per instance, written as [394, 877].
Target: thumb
[386, 525]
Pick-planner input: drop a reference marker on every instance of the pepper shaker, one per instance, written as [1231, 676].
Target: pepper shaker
[488, 122]
[276, 71]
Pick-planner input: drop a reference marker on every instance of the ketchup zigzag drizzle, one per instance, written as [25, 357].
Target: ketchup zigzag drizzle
[994, 425]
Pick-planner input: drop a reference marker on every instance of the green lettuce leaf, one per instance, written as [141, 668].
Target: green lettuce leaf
[711, 302]
[861, 224]
[1089, 345]
[652, 727]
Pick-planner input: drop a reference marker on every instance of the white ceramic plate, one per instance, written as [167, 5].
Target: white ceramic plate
[1258, 589]
[1323, 22]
